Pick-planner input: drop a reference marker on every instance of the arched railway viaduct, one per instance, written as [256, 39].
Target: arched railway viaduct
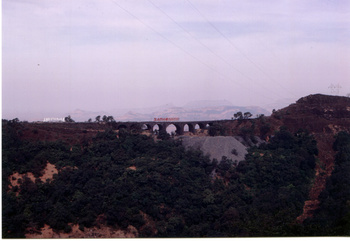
[180, 126]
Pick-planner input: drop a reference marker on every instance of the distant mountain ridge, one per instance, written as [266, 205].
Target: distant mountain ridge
[207, 103]
[195, 110]
[193, 114]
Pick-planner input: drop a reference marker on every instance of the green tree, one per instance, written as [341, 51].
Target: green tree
[68, 119]
[110, 119]
[217, 130]
[264, 129]
[247, 115]
[238, 115]
[163, 135]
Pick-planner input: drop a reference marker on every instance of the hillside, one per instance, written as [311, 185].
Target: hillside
[323, 116]
[82, 180]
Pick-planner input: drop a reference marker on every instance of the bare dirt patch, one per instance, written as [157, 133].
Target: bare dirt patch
[150, 223]
[132, 168]
[94, 232]
[16, 178]
[326, 157]
[49, 171]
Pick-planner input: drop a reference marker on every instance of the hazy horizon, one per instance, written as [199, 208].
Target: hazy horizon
[84, 115]
[60, 56]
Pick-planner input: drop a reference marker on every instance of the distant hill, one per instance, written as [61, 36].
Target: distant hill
[201, 110]
[207, 103]
[195, 110]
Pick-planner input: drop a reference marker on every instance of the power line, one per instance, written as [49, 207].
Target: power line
[234, 46]
[182, 49]
[201, 43]
[161, 35]
[334, 89]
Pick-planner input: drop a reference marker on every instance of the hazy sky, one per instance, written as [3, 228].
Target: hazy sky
[62, 55]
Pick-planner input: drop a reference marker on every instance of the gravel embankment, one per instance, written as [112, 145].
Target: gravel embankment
[216, 146]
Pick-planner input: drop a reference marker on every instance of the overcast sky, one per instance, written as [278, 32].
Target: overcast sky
[62, 55]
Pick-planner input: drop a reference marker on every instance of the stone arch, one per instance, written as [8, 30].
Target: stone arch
[171, 128]
[178, 128]
[146, 127]
[190, 127]
[186, 128]
[158, 127]
[209, 124]
[202, 125]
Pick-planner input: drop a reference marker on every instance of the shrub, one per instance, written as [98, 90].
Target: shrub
[234, 152]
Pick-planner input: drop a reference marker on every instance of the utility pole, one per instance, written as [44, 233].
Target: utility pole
[334, 89]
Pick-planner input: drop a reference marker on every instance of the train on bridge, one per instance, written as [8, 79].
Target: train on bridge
[167, 119]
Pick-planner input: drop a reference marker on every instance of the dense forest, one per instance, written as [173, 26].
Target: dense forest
[121, 179]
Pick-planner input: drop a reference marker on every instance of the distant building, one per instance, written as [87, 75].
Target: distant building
[53, 120]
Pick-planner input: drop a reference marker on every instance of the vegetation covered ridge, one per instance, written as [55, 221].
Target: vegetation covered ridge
[157, 187]
[101, 182]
